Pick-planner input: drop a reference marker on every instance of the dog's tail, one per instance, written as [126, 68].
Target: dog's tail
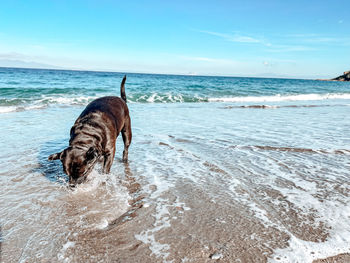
[122, 89]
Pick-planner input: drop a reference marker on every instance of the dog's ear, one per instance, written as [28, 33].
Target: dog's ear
[91, 154]
[54, 156]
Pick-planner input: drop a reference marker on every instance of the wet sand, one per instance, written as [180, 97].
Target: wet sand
[341, 258]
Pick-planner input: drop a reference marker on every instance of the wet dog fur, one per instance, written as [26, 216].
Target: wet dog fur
[93, 137]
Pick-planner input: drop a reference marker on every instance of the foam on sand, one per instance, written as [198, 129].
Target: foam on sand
[278, 98]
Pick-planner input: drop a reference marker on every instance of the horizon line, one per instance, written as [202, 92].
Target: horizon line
[162, 74]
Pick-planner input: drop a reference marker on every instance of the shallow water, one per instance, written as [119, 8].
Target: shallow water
[226, 181]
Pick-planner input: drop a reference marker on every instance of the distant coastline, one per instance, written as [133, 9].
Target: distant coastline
[344, 77]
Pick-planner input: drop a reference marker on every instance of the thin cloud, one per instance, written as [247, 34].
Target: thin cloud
[284, 44]
[330, 41]
[251, 40]
[319, 39]
[209, 60]
[236, 38]
[290, 48]
[308, 35]
[306, 42]
[14, 55]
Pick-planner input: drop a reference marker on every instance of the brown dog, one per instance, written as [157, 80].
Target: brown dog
[93, 137]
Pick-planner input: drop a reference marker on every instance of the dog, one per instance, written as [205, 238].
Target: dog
[93, 137]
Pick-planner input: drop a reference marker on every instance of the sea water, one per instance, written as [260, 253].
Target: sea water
[220, 168]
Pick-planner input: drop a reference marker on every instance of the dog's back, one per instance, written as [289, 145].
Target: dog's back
[113, 107]
[108, 109]
[103, 116]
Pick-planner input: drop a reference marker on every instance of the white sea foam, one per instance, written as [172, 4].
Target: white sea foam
[333, 213]
[337, 243]
[62, 254]
[153, 97]
[72, 100]
[110, 202]
[94, 180]
[6, 109]
[162, 220]
[278, 98]
[68, 245]
[46, 100]
[159, 179]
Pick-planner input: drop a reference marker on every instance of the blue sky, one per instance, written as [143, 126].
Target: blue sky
[306, 39]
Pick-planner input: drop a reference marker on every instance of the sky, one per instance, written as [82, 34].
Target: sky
[271, 38]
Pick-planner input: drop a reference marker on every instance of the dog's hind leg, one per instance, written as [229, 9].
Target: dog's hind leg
[127, 135]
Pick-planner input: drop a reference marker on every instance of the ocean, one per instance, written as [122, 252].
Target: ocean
[224, 169]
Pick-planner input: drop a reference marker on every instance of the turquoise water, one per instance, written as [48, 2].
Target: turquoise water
[247, 169]
[39, 88]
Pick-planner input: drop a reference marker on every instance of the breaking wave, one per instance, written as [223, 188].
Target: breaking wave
[22, 104]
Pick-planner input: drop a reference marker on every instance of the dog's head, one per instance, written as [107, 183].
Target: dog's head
[77, 162]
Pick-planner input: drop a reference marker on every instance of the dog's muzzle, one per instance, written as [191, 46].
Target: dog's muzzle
[73, 182]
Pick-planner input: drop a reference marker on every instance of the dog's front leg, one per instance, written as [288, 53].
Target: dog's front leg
[108, 161]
